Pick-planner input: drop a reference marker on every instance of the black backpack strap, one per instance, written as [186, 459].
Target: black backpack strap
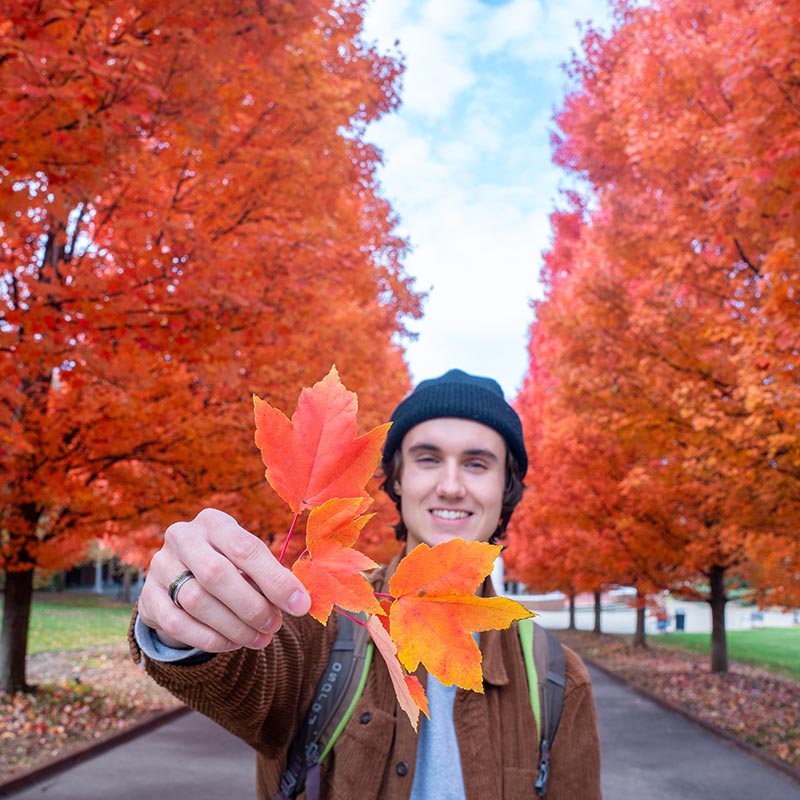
[333, 698]
[552, 704]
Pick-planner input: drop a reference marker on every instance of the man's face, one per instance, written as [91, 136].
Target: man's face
[452, 481]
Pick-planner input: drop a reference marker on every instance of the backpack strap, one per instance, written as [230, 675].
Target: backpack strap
[343, 680]
[545, 664]
[335, 698]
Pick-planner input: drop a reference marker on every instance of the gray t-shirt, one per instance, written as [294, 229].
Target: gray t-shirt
[438, 774]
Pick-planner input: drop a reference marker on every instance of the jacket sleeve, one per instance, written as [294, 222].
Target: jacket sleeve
[258, 695]
[575, 760]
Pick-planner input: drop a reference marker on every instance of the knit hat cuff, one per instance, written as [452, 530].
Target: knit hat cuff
[458, 394]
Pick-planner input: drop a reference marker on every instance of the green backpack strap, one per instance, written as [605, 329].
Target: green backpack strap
[545, 665]
[352, 707]
[525, 630]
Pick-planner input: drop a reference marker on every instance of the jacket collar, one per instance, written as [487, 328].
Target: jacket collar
[494, 665]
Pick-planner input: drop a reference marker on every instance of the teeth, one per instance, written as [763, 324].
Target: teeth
[448, 514]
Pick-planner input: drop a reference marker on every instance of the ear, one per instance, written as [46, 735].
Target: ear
[396, 487]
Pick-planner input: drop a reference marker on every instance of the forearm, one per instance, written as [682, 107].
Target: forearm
[255, 694]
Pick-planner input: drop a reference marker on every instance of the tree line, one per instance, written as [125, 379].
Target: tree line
[662, 403]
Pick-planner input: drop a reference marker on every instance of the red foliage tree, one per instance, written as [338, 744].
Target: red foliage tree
[677, 321]
[190, 216]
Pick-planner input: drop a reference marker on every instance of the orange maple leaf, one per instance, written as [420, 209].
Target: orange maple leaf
[436, 611]
[410, 692]
[331, 569]
[317, 455]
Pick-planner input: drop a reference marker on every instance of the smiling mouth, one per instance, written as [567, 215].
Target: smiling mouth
[448, 513]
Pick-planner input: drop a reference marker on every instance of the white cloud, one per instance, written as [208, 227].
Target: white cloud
[432, 37]
[539, 32]
[481, 255]
[468, 168]
[453, 18]
[518, 21]
[437, 73]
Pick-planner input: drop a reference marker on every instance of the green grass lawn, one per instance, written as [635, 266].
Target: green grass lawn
[68, 621]
[777, 649]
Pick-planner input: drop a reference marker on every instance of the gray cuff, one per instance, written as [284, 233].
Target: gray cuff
[156, 650]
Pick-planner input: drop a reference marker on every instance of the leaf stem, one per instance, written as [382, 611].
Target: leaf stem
[288, 537]
[350, 616]
[382, 594]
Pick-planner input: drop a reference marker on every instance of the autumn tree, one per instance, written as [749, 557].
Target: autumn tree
[579, 527]
[683, 292]
[550, 544]
[190, 216]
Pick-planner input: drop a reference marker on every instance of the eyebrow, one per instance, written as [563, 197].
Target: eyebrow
[473, 451]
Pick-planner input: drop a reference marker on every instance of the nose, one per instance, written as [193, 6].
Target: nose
[450, 483]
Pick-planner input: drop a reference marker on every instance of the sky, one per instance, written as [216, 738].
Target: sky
[468, 166]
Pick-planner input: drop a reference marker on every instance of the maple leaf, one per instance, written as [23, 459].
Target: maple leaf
[410, 692]
[436, 610]
[331, 570]
[317, 455]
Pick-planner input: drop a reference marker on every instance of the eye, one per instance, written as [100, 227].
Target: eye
[476, 465]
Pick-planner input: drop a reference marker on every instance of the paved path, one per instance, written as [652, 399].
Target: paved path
[189, 757]
[648, 754]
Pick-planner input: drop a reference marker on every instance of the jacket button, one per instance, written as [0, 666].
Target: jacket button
[402, 768]
[366, 717]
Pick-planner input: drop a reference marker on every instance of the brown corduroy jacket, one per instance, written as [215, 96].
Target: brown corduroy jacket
[261, 696]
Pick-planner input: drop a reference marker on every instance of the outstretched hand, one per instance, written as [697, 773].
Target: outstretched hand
[238, 593]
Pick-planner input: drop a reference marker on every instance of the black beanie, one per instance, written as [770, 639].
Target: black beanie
[457, 394]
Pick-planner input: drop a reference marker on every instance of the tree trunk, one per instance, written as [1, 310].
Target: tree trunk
[639, 637]
[14, 634]
[98, 575]
[597, 599]
[719, 642]
[572, 625]
[126, 583]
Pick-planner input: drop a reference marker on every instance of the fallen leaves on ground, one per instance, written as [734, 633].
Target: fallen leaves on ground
[754, 705]
[81, 697]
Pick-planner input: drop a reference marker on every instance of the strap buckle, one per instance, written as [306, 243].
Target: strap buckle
[287, 785]
[544, 769]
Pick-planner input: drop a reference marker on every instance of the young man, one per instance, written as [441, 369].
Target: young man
[211, 625]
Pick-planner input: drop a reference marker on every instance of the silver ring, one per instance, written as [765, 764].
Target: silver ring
[176, 584]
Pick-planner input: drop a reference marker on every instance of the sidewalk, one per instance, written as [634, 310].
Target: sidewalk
[647, 751]
[617, 617]
[188, 757]
[651, 753]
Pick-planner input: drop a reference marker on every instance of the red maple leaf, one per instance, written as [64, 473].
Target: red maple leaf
[317, 455]
[331, 570]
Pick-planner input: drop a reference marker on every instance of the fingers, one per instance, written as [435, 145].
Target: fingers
[238, 592]
[246, 553]
[178, 628]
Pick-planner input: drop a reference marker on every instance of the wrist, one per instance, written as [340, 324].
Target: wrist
[167, 640]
